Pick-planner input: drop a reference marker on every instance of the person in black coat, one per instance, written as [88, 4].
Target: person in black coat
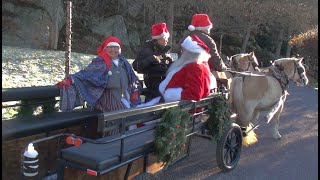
[153, 60]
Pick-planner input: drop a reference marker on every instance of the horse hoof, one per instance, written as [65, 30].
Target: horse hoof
[277, 136]
[267, 119]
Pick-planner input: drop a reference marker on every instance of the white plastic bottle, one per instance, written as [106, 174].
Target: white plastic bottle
[30, 161]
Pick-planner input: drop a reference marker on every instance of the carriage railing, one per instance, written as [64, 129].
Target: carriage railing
[25, 101]
[19, 126]
[124, 117]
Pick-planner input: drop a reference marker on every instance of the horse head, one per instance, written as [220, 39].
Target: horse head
[243, 62]
[294, 69]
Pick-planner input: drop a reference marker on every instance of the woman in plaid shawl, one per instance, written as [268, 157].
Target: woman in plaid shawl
[108, 83]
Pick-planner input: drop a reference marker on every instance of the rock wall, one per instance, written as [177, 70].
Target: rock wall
[32, 23]
[40, 24]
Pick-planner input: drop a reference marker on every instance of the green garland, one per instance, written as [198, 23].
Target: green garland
[170, 135]
[219, 117]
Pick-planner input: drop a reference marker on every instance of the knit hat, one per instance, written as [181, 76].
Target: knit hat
[200, 22]
[160, 31]
[194, 44]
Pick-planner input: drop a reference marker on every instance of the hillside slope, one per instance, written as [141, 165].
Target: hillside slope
[24, 67]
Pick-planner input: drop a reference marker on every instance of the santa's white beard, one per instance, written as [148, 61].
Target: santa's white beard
[188, 57]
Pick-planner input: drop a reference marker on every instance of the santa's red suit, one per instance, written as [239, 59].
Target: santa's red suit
[190, 82]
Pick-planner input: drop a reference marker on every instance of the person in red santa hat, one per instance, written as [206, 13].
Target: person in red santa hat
[188, 78]
[201, 27]
[153, 60]
[108, 83]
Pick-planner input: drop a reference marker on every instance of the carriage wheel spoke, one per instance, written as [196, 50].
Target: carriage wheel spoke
[233, 136]
[231, 148]
[231, 157]
[228, 143]
[234, 145]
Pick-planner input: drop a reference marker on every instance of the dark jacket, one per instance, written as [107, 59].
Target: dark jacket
[215, 62]
[152, 61]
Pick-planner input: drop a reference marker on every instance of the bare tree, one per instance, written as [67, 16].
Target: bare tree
[288, 17]
[170, 19]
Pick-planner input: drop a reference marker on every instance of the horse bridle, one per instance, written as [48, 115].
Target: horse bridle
[284, 84]
[299, 69]
[236, 64]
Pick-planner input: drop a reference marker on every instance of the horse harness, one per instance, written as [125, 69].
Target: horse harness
[278, 73]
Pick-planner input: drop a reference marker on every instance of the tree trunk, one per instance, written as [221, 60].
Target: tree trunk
[144, 12]
[279, 43]
[170, 20]
[125, 7]
[246, 39]
[68, 37]
[288, 51]
[54, 31]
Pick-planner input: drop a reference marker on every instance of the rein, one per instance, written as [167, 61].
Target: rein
[248, 73]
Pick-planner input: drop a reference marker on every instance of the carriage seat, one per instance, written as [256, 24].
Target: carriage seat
[101, 156]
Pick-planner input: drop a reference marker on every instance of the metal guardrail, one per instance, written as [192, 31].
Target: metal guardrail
[25, 93]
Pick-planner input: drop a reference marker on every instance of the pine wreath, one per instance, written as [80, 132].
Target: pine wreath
[170, 135]
[219, 117]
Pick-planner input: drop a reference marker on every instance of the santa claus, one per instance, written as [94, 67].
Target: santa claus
[189, 77]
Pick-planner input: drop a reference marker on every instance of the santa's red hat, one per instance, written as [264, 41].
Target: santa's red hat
[200, 22]
[194, 44]
[160, 31]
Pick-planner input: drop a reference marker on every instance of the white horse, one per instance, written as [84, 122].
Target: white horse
[252, 94]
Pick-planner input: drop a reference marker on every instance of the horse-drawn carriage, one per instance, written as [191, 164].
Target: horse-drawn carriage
[77, 143]
[71, 144]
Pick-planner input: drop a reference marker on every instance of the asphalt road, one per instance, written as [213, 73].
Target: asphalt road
[294, 157]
